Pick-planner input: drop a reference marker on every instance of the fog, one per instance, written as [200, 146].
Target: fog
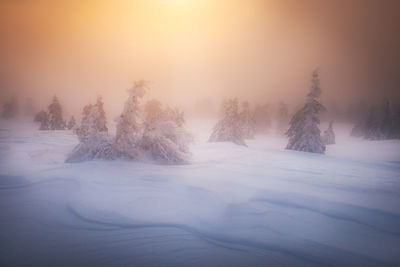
[198, 50]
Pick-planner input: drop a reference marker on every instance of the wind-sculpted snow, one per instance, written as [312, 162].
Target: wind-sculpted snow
[233, 205]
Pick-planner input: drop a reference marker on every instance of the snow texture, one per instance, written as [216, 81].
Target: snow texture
[233, 206]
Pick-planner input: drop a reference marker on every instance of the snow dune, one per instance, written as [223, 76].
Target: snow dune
[233, 205]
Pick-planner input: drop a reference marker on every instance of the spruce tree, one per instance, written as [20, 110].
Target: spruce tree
[229, 128]
[56, 121]
[304, 134]
[94, 144]
[129, 129]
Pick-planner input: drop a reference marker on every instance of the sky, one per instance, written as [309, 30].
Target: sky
[189, 50]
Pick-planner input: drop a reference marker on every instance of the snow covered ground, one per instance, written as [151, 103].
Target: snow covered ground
[234, 205]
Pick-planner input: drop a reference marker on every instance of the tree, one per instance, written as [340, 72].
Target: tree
[153, 112]
[101, 121]
[94, 144]
[43, 118]
[164, 139]
[247, 121]
[10, 109]
[229, 128]
[71, 123]
[129, 129]
[56, 121]
[304, 134]
[329, 136]
[167, 143]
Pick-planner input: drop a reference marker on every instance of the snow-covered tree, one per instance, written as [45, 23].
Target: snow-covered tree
[101, 121]
[165, 139]
[229, 128]
[176, 115]
[329, 136]
[43, 118]
[247, 121]
[282, 118]
[71, 123]
[56, 121]
[10, 109]
[167, 143]
[304, 134]
[153, 112]
[129, 128]
[262, 118]
[94, 144]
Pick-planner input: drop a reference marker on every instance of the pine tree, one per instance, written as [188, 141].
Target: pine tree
[129, 129]
[229, 128]
[71, 123]
[56, 121]
[329, 136]
[247, 121]
[304, 134]
[94, 144]
[43, 118]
